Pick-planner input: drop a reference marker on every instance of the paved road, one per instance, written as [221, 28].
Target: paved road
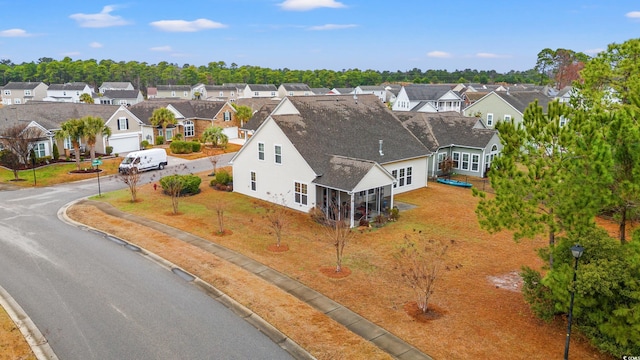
[95, 299]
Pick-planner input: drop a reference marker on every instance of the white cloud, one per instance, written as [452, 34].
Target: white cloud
[95, 45]
[633, 14]
[304, 5]
[186, 26]
[331, 27]
[161, 48]
[14, 33]
[438, 54]
[487, 55]
[99, 20]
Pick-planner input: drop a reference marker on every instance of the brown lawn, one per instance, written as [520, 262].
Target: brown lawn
[477, 316]
[13, 346]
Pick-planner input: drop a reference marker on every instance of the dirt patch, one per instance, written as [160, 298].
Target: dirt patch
[330, 271]
[511, 281]
[433, 312]
[278, 249]
[225, 232]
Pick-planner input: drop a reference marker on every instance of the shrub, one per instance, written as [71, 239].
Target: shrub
[394, 214]
[317, 215]
[159, 140]
[177, 137]
[195, 146]
[56, 152]
[144, 144]
[180, 147]
[109, 150]
[190, 183]
[223, 177]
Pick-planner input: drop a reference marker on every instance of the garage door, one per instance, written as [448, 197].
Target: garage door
[231, 132]
[124, 144]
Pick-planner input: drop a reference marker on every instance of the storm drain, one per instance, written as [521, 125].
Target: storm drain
[182, 274]
[116, 240]
[132, 247]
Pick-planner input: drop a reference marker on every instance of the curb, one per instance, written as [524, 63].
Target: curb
[252, 318]
[38, 343]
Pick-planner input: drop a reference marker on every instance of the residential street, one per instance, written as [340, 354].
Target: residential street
[93, 298]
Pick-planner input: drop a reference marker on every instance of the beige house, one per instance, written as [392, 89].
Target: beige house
[182, 92]
[291, 89]
[22, 92]
[504, 106]
[260, 90]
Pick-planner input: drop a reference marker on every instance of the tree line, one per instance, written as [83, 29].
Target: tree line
[143, 75]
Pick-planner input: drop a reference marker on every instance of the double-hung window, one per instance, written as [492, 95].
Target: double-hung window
[260, 151]
[189, 129]
[300, 193]
[489, 119]
[253, 181]
[38, 148]
[227, 116]
[475, 162]
[123, 123]
[456, 160]
[278, 154]
[465, 161]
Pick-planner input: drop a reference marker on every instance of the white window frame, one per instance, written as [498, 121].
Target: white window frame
[7, 92]
[475, 162]
[490, 119]
[123, 123]
[252, 181]
[173, 94]
[300, 193]
[27, 93]
[227, 115]
[221, 94]
[67, 144]
[441, 159]
[40, 150]
[273, 93]
[185, 94]
[455, 157]
[277, 154]
[464, 164]
[563, 121]
[17, 101]
[507, 117]
[256, 93]
[189, 129]
[261, 151]
[403, 176]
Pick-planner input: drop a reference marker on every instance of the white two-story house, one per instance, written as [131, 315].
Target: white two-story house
[427, 98]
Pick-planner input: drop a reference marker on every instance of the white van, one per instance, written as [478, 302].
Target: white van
[144, 160]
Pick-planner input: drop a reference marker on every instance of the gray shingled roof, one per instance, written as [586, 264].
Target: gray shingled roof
[296, 87]
[21, 85]
[173, 87]
[116, 85]
[426, 91]
[520, 100]
[262, 87]
[68, 86]
[220, 87]
[320, 91]
[190, 109]
[443, 129]
[51, 114]
[344, 173]
[330, 126]
[121, 94]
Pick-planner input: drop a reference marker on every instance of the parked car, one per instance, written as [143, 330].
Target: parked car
[143, 160]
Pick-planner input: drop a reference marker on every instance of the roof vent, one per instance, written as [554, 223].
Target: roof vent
[380, 150]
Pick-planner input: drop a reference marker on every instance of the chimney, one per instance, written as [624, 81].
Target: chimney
[380, 150]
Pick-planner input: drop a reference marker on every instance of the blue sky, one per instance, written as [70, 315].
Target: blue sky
[315, 34]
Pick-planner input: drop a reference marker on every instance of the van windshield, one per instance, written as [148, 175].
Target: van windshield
[128, 160]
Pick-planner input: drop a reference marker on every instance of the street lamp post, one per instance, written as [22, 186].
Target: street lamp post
[576, 251]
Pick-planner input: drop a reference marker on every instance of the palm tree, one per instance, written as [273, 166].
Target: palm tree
[86, 98]
[94, 127]
[163, 117]
[243, 113]
[74, 130]
[216, 136]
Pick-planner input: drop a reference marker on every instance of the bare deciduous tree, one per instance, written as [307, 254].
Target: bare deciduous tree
[131, 178]
[18, 139]
[172, 185]
[339, 232]
[277, 217]
[420, 262]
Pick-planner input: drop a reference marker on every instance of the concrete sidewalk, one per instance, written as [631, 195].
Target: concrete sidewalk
[377, 335]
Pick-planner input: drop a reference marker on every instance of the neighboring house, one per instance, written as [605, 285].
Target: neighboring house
[115, 86]
[258, 90]
[152, 92]
[427, 98]
[392, 92]
[320, 91]
[345, 156]
[464, 140]
[48, 116]
[294, 89]
[192, 116]
[341, 91]
[220, 93]
[120, 97]
[504, 106]
[564, 95]
[182, 92]
[378, 91]
[69, 92]
[22, 92]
